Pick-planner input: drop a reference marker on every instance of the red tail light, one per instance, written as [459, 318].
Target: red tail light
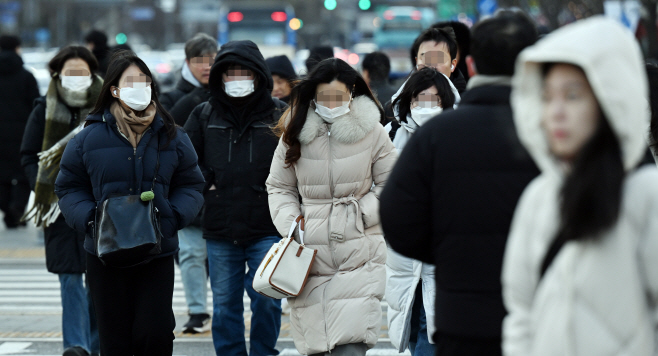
[279, 16]
[234, 16]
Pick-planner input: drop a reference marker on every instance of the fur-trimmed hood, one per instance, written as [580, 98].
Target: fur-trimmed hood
[350, 128]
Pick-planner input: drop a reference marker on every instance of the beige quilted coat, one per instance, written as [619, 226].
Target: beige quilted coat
[339, 163]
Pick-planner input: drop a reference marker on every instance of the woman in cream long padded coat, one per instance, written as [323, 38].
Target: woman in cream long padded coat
[332, 161]
[599, 294]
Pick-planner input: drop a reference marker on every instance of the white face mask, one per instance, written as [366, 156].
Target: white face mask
[421, 115]
[239, 88]
[330, 114]
[75, 82]
[136, 98]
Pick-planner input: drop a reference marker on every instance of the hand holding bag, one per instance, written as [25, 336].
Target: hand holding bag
[285, 268]
[126, 230]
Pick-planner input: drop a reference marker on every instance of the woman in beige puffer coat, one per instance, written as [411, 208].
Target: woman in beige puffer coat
[335, 155]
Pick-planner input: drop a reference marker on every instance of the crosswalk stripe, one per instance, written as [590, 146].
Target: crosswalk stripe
[25, 289]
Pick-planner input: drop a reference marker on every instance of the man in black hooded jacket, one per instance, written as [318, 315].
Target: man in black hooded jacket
[232, 136]
[17, 93]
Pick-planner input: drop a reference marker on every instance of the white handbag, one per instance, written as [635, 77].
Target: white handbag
[284, 269]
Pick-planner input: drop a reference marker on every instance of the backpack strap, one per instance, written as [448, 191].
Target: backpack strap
[204, 118]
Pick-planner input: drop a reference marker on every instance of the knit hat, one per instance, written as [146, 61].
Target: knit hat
[281, 66]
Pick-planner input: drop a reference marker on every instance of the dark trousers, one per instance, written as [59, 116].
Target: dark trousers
[14, 195]
[133, 307]
[448, 345]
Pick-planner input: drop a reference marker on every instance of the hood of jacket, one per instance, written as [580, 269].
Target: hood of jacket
[10, 62]
[349, 128]
[613, 63]
[245, 53]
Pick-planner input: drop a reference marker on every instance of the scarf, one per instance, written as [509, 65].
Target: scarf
[131, 125]
[62, 107]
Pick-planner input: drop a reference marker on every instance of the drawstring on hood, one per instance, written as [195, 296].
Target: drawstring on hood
[613, 64]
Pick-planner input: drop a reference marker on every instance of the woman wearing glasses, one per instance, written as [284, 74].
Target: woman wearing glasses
[335, 155]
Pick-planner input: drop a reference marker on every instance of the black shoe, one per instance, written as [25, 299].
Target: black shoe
[198, 323]
[75, 351]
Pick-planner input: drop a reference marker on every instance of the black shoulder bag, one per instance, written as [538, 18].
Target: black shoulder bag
[127, 229]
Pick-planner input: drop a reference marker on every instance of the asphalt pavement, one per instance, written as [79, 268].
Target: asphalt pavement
[30, 306]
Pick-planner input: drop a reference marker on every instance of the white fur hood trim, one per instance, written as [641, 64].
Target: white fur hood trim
[349, 128]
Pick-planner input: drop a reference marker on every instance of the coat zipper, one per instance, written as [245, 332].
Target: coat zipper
[230, 143]
[331, 190]
[251, 144]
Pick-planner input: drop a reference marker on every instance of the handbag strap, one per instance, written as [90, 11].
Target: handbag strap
[298, 221]
[157, 161]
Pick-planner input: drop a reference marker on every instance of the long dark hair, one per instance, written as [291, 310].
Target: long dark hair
[420, 81]
[303, 93]
[592, 191]
[119, 62]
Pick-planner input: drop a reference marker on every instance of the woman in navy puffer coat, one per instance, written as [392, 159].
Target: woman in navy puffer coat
[115, 154]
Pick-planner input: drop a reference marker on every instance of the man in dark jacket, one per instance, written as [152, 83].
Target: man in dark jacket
[232, 136]
[450, 199]
[18, 89]
[437, 47]
[199, 53]
[97, 43]
[192, 90]
[376, 67]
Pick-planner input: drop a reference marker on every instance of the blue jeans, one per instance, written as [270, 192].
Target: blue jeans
[228, 281]
[419, 343]
[192, 262]
[78, 318]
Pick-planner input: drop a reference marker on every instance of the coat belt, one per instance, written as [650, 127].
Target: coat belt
[340, 214]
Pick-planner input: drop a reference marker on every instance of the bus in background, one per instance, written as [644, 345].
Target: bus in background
[268, 24]
[396, 28]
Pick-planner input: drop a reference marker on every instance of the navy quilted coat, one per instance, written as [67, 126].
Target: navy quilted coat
[99, 162]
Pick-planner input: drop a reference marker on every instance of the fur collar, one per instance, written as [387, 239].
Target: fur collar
[349, 128]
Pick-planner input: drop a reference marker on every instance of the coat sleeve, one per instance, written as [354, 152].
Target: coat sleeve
[406, 201]
[73, 188]
[519, 278]
[185, 191]
[282, 191]
[383, 160]
[32, 143]
[648, 244]
[194, 129]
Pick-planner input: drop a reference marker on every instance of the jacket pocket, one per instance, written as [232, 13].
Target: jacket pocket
[259, 212]
[218, 146]
[215, 216]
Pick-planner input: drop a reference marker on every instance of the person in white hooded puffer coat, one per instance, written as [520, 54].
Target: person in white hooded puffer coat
[580, 274]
